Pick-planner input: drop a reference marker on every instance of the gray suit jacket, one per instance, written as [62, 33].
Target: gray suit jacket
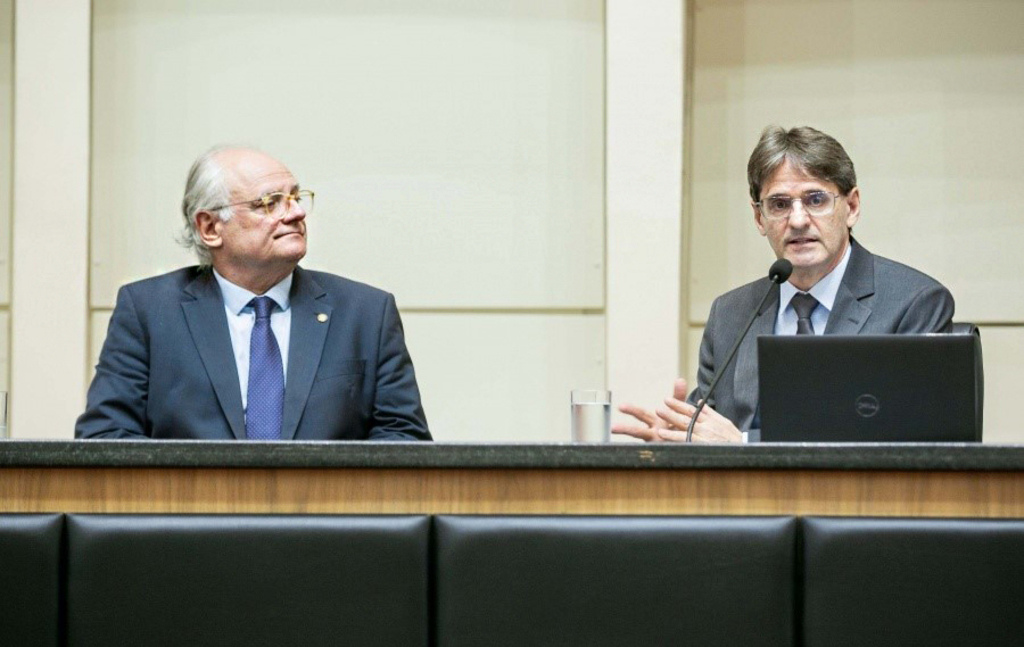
[167, 369]
[876, 297]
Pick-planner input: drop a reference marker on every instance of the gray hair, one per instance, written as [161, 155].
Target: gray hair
[810, 150]
[205, 187]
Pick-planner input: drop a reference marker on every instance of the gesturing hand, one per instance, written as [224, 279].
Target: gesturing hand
[652, 424]
[668, 423]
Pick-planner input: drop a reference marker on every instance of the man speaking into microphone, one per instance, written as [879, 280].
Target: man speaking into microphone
[805, 200]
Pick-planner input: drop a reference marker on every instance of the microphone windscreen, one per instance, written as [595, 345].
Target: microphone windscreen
[780, 270]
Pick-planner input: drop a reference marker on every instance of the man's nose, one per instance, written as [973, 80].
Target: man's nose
[294, 212]
[798, 216]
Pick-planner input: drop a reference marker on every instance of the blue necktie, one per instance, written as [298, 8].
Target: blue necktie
[265, 402]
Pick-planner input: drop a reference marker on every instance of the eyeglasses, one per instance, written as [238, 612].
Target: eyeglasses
[277, 204]
[817, 204]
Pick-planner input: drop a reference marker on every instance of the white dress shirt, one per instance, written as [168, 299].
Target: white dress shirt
[824, 291]
[241, 317]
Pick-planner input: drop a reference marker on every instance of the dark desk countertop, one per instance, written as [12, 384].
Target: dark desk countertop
[384, 455]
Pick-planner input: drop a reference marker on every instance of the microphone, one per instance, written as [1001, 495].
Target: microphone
[780, 271]
[778, 274]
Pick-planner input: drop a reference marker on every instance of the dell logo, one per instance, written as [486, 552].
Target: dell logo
[867, 405]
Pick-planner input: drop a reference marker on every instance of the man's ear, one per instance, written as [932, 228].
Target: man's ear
[853, 200]
[209, 225]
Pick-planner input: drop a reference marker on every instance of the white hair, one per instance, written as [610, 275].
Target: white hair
[205, 188]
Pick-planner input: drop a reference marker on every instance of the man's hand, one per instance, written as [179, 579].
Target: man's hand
[652, 424]
[711, 427]
[669, 423]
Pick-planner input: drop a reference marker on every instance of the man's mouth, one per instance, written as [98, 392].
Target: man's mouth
[288, 233]
[801, 240]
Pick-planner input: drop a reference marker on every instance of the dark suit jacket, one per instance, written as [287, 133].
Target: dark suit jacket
[167, 369]
[876, 297]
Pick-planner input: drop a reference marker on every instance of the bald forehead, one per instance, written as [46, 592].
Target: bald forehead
[252, 172]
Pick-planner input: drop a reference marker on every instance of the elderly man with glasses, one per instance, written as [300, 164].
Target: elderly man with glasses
[248, 345]
[805, 201]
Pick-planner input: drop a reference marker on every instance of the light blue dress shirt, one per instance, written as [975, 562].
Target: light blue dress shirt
[824, 291]
[241, 318]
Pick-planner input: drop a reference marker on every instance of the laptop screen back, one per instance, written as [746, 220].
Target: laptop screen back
[870, 388]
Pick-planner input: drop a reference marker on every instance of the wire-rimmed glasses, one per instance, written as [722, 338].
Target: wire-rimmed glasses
[276, 204]
[817, 204]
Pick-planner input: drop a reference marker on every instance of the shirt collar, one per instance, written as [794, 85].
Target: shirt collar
[237, 298]
[825, 290]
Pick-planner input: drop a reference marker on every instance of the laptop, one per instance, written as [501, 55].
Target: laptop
[870, 388]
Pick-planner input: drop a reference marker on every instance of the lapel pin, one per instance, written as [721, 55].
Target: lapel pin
[321, 317]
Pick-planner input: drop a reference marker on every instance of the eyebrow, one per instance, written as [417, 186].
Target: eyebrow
[787, 195]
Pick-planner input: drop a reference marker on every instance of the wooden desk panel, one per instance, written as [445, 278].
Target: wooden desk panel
[511, 491]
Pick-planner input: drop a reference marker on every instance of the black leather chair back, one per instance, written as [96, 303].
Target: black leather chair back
[247, 580]
[596, 581]
[911, 582]
[30, 547]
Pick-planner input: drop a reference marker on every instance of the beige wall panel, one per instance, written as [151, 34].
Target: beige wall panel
[456, 148]
[1004, 356]
[5, 353]
[504, 377]
[654, 396]
[928, 99]
[491, 377]
[644, 188]
[6, 132]
[49, 234]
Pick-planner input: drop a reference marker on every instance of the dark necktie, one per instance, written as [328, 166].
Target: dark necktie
[265, 399]
[804, 304]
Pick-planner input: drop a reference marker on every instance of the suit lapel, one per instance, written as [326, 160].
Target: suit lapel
[208, 326]
[850, 311]
[745, 384]
[305, 347]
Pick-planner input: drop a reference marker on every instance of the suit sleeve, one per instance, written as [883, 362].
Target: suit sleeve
[116, 404]
[397, 412]
[930, 310]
